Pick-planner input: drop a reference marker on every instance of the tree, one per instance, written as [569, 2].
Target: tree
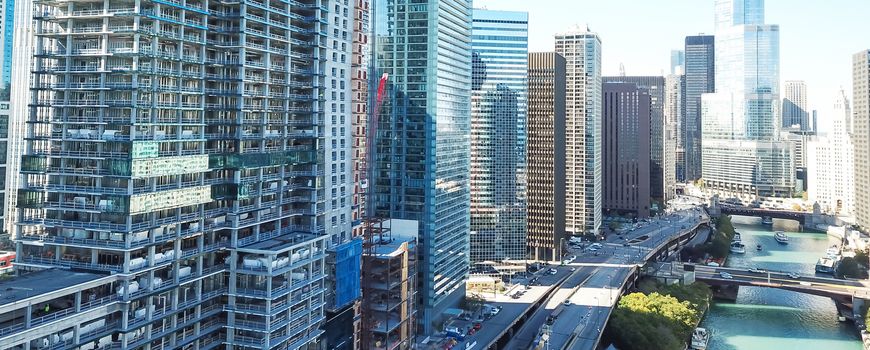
[848, 267]
[861, 257]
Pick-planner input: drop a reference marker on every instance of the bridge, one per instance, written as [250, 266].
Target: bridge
[813, 220]
[821, 286]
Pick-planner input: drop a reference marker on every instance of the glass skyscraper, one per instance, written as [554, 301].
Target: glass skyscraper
[422, 146]
[499, 46]
[700, 79]
[741, 151]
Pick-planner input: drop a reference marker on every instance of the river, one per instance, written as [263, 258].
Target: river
[765, 318]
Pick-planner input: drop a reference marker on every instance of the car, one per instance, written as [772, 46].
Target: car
[755, 270]
[573, 269]
[566, 302]
[471, 331]
[495, 311]
[726, 275]
[626, 244]
[794, 275]
[477, 326]
[552, 271]
[515, 296]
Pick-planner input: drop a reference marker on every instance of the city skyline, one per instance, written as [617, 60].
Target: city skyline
[619, 30]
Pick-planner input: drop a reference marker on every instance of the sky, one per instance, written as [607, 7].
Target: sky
[817, 37]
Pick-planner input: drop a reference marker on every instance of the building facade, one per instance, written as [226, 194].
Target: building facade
[795, 114]
[546, 156]
[499, 96]
[194, 158]
[423, 139]
[744, 110]
[626, 149]
[675, 109]
[678, 61]
[581, 49]
[700, 79]
[830, 163]
[659, 145]
[861, 135]
[23, 38]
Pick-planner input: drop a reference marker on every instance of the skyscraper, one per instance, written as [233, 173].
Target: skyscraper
[498, 135]
[741, 149]
[794, 106]
[655, 87]
[700, 79]
[183, 160]
[830, 163]
[546, 156]
[7, 35]
[421, 152]
[861, 135]
[582, 51]
[675, 110]
[678, 61]
[626, 149]
[23, 39]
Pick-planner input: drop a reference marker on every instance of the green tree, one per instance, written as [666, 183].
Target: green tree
[862, 258]
[848, 267]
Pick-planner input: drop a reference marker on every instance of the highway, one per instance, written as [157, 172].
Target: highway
[596, 284]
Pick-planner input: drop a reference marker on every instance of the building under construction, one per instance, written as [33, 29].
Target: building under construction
[389, 280]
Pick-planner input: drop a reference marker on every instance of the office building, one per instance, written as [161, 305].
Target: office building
[546, 156]
[23, 39]
[741, 148]
[655, 87]
[830, 163]
[423, 140]
[7, 35]
[861, 135]
[678, 61]
[197, 176]
[498, 136]
[626, 143]
[581, 49]
[801, 141]
[700, 79]
[795, 114]
[675, 109]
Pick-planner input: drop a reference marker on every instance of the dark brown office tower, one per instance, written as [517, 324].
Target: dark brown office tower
[546, 155]
[625, 126]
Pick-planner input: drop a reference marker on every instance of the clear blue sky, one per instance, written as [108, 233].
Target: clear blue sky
[817, 38]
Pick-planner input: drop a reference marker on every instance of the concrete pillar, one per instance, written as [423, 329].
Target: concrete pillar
[28, 315]
[78, 302]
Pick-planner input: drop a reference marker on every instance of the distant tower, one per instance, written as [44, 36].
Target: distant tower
[794, 106]
[621, 70]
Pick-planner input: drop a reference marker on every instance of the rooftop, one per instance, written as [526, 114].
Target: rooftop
[281, 243]
[32, 284]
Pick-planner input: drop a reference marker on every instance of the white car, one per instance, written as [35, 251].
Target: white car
[794, 275]
[726, 275]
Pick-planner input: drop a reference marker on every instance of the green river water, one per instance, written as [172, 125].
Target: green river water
[770, 319]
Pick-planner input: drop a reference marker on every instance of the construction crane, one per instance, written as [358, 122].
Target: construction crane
[373, 230]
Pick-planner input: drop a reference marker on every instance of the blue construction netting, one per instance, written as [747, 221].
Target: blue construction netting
[347, 272]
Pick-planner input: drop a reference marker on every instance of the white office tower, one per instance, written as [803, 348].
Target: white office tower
[831, 163]
[582, 51]
[741, 150]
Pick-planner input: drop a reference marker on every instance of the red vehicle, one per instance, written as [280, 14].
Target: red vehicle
[6, 260]
[477, 326]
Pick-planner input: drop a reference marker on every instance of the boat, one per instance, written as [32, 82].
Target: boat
[736, 237]
[841, 318]
[825, 265]
[758, 247]
[700, 339]
[780, 237]
[738, 248]
[767, 221]
[833, 252]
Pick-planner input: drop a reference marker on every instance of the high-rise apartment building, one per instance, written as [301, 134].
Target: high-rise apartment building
[626, 149]
[546, 156]
[675, 109]
[581, 49]
[655, 87]
[741, 149]
[700, 79]
[422, 147]
[498, 135]
[830, 163]
[861, 135]
[194, 159]
[795, 114]
[678, 61]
